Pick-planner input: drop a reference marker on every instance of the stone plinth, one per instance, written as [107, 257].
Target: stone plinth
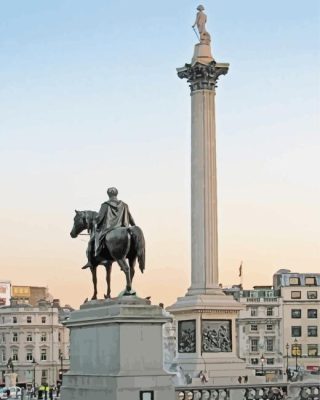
[116, 351]
[206, 337]
[10, 379]
[202, 53]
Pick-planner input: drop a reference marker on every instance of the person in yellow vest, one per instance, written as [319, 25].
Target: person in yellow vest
[46, 391]
[40, 392]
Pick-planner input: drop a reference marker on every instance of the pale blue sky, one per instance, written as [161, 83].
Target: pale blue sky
[89, 98]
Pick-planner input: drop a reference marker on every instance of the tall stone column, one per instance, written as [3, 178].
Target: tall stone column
[202, 75]
[205, 311]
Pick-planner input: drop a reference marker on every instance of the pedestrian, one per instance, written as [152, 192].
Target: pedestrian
[51, 393]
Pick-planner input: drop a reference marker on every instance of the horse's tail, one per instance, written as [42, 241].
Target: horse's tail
[139, 246]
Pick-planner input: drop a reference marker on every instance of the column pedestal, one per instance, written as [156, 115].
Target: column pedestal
[116, 351]
[10, 379]
[206, 337]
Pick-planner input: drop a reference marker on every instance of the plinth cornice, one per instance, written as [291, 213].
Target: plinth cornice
[202, 76]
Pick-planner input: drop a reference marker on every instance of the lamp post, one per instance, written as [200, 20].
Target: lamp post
[34, 377]
[262, 359]
[287, 370]
[296, 348]
[61, 365]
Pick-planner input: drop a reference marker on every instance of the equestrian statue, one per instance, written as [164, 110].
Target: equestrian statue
[113, 237]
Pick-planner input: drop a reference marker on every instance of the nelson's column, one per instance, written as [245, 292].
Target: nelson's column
[205, 316]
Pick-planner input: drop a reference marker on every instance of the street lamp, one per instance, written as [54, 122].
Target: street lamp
[262, 359]
[296, 348]
[34, 376]
[287, 370]
[61, 366]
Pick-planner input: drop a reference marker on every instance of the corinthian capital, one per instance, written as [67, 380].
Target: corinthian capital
[203, 76]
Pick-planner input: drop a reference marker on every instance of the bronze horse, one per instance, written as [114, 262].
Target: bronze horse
[120, 244]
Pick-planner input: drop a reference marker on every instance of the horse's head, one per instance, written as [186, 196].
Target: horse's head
[79, 223]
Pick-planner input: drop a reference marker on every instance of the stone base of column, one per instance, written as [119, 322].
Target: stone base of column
[206, 337]
[10, 379]
[116, 351]
[202, 53]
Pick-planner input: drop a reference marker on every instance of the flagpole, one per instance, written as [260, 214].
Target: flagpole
[241, 274]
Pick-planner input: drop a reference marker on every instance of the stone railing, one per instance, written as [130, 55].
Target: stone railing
[277, 391]
[262, 299]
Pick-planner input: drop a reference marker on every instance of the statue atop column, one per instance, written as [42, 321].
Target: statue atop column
[200, 21]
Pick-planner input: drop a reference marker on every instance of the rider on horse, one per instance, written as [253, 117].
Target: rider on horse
[113, 214]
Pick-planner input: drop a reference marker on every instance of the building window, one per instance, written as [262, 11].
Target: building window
[310, 280]
[254, 361]
[14, 337]
[269, 311]
[269, 327]
[295, 294]
[29, 319]
[294, 281]
[254, 327]
[313, 313]
[14, 320]
[43, 356]
[3, 356]
[43, 337]
[44, 374]
[29, 337]
[296, 350]
[269, 344]
[29, 355]
[312, 350]
[43, 320]
[14, 355]
[270, 361]
[253, 312]
[254, 344]
[312, 294]
[312, 331]
[3, 338]
[59, 336]
[295, 313]
[296, 331]
[146, 395]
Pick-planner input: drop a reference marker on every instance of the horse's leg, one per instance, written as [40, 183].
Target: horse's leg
[94, 281]
[108, 266]
[132, 263]
[125, 268]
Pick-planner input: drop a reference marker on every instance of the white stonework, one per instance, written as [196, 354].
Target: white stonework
[204, 235]
[116, 351]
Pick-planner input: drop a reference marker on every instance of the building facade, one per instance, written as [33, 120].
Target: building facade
[5, 293]
[300, 296]
[36, 341]
[259, 331]
[30, 294]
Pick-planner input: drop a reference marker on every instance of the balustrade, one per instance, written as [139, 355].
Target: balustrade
[308, 391]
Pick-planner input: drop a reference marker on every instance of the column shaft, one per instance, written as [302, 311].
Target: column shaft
[204, 235]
